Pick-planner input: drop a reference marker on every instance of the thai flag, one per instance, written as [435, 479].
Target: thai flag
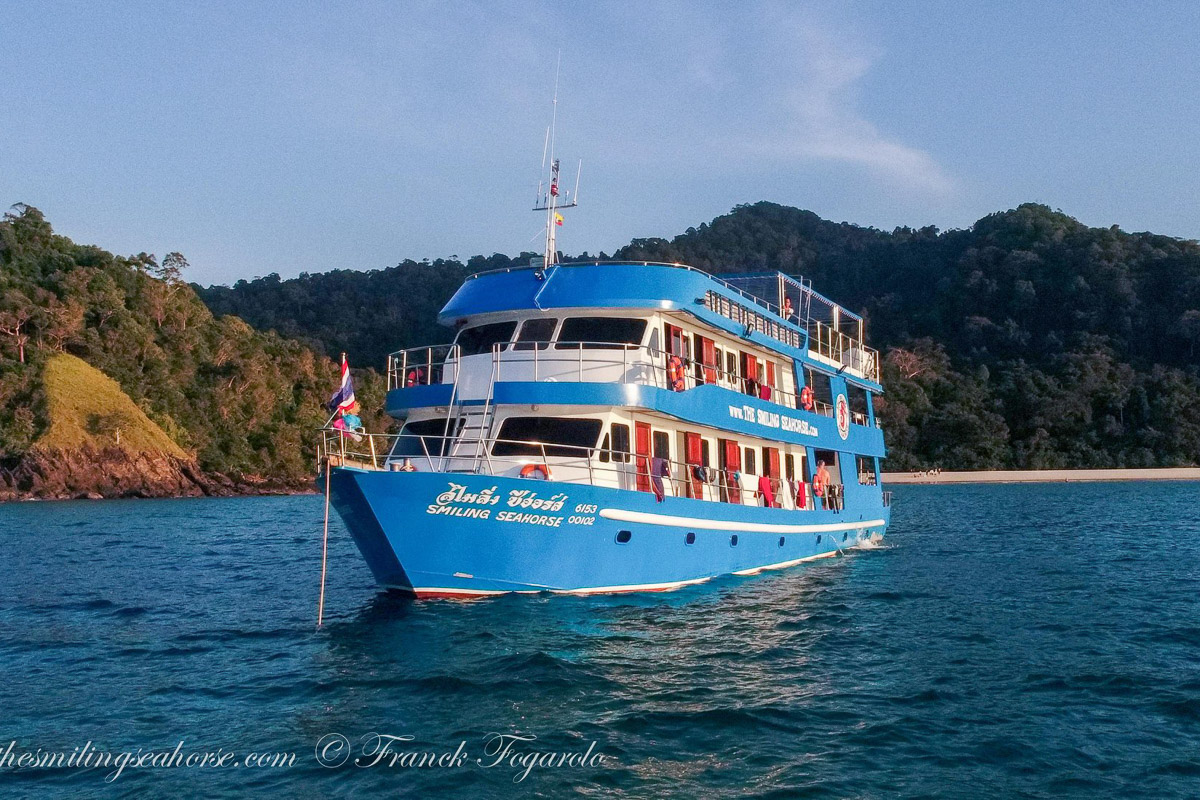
[343, 398]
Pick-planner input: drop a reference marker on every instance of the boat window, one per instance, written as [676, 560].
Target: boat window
[605, 446]
[427, 436]
[731, 364]
[620, 443]
[600, 333]
[830, 457]
[556, 436]
[704, 453]
[480, 339]
[822, 391]
[662, 445]
[789, 466]
[748, 465]
[868, 473]
[535, 333]
[857, 398]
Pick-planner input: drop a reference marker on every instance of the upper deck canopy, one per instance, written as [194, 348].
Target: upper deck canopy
[784, 309]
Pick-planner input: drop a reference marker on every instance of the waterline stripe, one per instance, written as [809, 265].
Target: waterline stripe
[696, 523]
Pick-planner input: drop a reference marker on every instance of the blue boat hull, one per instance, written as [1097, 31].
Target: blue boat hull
[448, 534]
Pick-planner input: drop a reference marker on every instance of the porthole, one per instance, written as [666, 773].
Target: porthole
[623, 537]
[845, 535]
[781, 541]
[733, 540]
[818, 538]
[690, 538]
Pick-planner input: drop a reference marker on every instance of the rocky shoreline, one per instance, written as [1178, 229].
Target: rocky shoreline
[114, 473]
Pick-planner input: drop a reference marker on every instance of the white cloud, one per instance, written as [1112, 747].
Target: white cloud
[817, 116]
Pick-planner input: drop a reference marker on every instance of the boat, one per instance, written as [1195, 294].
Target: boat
[617, 426]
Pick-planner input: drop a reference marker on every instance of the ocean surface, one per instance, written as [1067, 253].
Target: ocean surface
[1005, 641]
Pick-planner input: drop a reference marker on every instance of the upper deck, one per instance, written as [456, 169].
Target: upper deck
[781, 312]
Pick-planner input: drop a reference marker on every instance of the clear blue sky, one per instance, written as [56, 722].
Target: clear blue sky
[289, 137]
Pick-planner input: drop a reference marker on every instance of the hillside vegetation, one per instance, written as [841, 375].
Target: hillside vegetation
[1027, 341]
[85, 407]
[241, 402]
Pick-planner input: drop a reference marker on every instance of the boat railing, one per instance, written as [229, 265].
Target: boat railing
[420, 366]
[639, 364]
[603, 362]
[843, 350]
[572, 465]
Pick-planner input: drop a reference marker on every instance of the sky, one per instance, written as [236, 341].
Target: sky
[301, 137]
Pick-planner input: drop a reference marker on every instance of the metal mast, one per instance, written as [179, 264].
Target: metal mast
[554, 198]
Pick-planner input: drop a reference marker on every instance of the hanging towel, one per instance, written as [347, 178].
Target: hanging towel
[801, 499]
[658, 469]
[765, 491]
[764, 392]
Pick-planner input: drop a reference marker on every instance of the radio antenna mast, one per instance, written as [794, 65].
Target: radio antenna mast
[554, 199]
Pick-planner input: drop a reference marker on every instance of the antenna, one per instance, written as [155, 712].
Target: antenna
[550, 201]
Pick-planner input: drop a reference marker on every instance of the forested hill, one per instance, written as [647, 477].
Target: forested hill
[1028, 340]
[235, 407]
[366, 314]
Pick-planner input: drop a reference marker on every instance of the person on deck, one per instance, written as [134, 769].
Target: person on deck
[821, 484]
[351, 423]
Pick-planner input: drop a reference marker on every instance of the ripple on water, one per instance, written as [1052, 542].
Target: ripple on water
[996, 646]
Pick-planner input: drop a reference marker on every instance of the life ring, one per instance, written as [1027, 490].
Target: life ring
[675, 373]
[528, 470]
[806, 398]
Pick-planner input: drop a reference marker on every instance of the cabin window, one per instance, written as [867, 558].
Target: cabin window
[620, 443]
[677, 341]
[748, 464]
[868, 470]
[535, 333]
[856, 396]
[731, 365]
[789, 466]
[704, 454]
[822, 391]
[605, 447]
[481, 338]
[555, 436]
[426, 437]
[830, 457]
[662, 445]
[600, 333]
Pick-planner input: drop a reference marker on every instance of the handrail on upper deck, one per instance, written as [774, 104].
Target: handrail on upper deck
[652, 360]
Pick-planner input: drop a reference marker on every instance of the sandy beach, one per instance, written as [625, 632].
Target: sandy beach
[1046, 476]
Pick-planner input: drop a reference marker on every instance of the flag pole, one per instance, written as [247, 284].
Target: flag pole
[324, 547]
[325, 536]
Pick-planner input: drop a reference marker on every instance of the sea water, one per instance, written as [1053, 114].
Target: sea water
[1003, 641]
